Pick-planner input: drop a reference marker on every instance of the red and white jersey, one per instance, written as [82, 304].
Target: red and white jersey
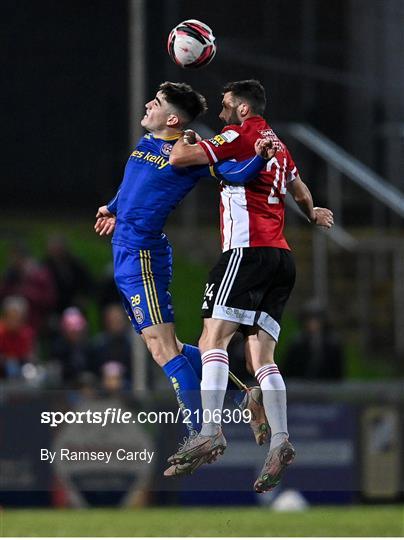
[252, 215]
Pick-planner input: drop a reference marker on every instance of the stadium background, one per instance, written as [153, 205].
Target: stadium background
[75, 79]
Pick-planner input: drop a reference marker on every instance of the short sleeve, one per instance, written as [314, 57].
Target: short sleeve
[222, 146]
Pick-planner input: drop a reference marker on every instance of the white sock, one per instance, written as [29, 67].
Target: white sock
[274, 398]
[215, 374]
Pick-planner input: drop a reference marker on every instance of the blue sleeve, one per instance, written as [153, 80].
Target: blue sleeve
[235, 172]
[113, 203]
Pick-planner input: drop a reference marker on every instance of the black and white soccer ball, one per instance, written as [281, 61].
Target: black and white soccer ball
[191, 44]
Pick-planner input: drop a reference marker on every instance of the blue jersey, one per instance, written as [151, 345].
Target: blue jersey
[151, 188]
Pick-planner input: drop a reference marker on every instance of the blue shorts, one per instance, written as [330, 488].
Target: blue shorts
[143, 277]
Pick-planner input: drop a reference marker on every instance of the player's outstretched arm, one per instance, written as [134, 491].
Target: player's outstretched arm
[105, 222]
[241, 172]
[187, 152]
[302, 196]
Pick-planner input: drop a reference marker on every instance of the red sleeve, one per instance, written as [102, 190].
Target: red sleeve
[225, 145]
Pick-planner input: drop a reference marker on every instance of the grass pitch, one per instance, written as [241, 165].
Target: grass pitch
[174, 521]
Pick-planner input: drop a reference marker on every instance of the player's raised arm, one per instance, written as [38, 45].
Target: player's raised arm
[241, 172]
[185, 154]
[302, 196]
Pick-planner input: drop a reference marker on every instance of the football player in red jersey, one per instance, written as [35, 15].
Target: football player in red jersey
[254, 276]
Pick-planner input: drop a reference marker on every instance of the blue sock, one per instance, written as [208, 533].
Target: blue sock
[187, 388]
[193, 355]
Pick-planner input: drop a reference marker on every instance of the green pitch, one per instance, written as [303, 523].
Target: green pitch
[173, 521]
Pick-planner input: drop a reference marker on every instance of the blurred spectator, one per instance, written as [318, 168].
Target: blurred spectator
[316, 353]
[72, 279]
[17, 338]
[71, 347]
[26, 277]
[87, 386]
[108, 485]
[114, 343]
[112, 380]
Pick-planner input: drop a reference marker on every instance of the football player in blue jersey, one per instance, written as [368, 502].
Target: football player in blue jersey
[151, 188]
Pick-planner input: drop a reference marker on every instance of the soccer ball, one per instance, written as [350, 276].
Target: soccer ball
[191, 44]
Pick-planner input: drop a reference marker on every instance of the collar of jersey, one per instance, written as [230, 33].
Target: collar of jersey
[256, 117]
[172, 138]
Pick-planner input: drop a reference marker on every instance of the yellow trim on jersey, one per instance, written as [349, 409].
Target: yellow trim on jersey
[146, 286]
[169, 137]
[212, 171]
[156, 298]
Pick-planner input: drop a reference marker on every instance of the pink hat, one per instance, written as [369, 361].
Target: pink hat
[73, 319]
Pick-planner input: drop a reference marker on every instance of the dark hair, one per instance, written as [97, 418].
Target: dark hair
[185, 99]
[251, 91]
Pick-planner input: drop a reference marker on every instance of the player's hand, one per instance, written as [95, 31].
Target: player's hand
[103, 212]
[323, 217]
[191, 137]
[264, 148]
[105, 223]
